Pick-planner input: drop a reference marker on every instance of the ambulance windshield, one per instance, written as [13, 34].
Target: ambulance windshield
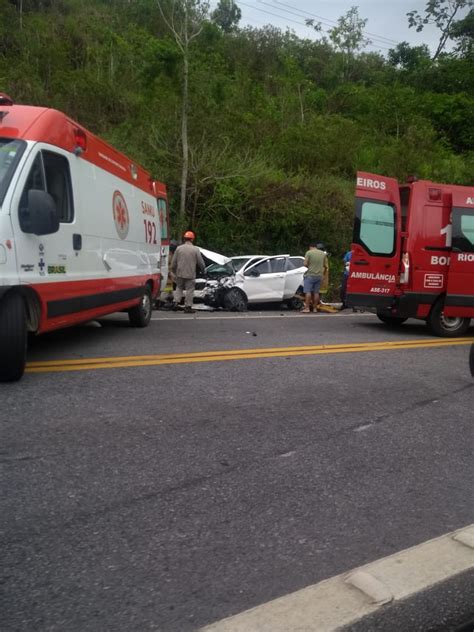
[10, 154]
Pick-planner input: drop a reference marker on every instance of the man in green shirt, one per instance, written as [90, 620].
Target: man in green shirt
[317, 263]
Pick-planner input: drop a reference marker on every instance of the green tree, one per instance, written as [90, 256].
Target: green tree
[185, 22]
[227, 15]
[440, 13]
[348, 37]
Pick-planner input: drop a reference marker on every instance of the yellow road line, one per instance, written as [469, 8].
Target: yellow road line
[86, 364]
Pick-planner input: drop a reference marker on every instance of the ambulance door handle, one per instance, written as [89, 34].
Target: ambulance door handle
[77, 241]
[361, 263]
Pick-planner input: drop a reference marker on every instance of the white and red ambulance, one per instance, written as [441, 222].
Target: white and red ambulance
[83, 230]
[413, 252]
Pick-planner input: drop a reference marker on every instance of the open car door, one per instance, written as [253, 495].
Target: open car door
[376, 255]
[460, 288]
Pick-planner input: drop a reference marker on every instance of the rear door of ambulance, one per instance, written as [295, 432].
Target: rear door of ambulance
[460, 289]
[375, 259]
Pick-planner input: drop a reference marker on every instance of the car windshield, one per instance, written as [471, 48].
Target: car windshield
[10, 153]
[216, 270]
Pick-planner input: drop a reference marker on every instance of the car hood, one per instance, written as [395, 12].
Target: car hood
[213, 257]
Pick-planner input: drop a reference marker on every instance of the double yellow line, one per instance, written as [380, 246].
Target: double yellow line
[88, 364]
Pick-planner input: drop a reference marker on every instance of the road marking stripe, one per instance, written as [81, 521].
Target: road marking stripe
[345, 599]
[235, 354]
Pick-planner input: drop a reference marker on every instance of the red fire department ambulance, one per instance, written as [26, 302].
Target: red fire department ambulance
[83, 230]
[413, 252]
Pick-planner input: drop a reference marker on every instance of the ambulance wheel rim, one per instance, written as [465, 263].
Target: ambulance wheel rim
[146, 303]
[451, 322]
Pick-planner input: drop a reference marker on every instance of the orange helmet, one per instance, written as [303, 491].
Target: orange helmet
[189, 235]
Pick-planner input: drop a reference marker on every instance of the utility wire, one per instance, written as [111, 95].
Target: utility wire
[328, 21]
[300, 23]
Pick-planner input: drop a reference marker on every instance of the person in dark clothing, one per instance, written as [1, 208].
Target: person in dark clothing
[345, 277]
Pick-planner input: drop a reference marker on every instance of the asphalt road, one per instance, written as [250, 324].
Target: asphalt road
[167, 497]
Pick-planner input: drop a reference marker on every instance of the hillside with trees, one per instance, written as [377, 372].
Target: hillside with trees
[257, 132]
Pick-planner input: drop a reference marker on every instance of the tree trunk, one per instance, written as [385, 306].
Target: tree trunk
[184, 125]
[184, 140]
[300, 95]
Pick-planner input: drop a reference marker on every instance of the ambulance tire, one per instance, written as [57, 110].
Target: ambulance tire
[13, 337]
[235, 300]
[443, 326]
[391, 321]
[140, 315]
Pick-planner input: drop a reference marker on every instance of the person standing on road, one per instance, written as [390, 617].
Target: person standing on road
[186, 260]
[345, 277]
[317, 263]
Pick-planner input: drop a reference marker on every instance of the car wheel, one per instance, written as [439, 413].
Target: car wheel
[391, 321]
[295, 303]
[235, 300]
[140, 315]
[13, 337]
[446, 326]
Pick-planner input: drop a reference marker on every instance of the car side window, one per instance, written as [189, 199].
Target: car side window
[277, 265]
[292, 263]
[262, 268]
[50, 172]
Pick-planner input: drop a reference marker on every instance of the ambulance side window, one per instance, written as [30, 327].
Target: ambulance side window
[50, 172]
[463, 230]
[58, 184]
[163, 215]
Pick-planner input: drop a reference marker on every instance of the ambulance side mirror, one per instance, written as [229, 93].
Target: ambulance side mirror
[42, 212]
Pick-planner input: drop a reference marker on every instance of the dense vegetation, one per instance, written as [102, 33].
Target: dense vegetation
[276, 125]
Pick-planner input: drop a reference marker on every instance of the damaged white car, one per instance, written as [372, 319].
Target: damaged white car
[233, 283]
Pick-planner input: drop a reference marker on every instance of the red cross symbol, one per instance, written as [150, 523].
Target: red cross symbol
[121, 214]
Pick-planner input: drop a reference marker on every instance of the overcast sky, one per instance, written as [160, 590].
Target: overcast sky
[387, 21]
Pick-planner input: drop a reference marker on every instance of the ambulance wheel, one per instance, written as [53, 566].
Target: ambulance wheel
[235, 300]
[13, 337]
[392, 321]
[446, 326]
[140, 315]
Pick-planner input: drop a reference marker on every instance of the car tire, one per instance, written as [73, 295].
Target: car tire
[13, 337]
[140, 315]
[295, 303]
[445, 326]
[235, 300]
[391, 321]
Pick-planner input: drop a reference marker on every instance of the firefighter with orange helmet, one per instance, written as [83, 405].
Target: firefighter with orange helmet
[187, 259]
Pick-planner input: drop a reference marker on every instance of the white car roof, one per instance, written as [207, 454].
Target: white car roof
[258, 256]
